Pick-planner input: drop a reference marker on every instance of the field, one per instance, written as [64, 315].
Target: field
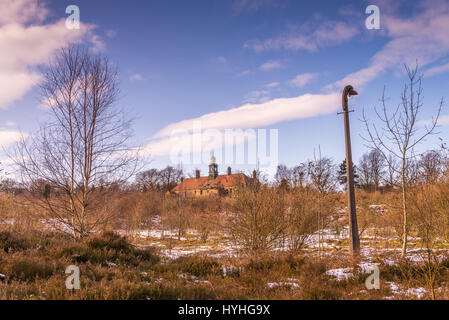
[160, 261]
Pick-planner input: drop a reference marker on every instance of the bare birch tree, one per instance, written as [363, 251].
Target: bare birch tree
[399, 135]
[84, 148]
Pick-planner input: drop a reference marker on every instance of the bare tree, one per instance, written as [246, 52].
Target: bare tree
[377, 167]
[299, 175]
[84, 148]
[399, 134]
[430, 166]
[390, 177]
[170, 177]
[372, 169]
[149, 180]
[365, 172]
[283, 176]
[322, 177]
[322, 174]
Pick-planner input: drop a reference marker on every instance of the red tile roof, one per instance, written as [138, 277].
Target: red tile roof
[223, 181]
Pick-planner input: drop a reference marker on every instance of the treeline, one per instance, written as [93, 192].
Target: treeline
[371, 173]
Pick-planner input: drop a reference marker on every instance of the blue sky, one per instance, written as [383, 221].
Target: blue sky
[182, 60]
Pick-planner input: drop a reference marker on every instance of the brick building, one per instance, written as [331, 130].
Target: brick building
[214, 183]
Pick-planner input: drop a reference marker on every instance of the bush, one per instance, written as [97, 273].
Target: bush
[199, 266]
[10, 241]
[258, 218]
[109, 247]
[28, 269]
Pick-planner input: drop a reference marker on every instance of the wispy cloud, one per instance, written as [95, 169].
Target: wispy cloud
[222, 59]
[136, 77]
[308, 37]
[443, 120]
[437, 69]
[239, 6]
[111, 34]
[272, 85]
[422, 37]
[243, 73]
[27, 41]
[302, 79]
[271, 65]
[257, 96]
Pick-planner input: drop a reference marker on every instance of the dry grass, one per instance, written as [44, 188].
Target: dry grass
[112, 268]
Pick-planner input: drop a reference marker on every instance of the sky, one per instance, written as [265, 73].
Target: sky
[254, 65]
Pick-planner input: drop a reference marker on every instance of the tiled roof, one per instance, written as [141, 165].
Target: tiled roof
[223, 181]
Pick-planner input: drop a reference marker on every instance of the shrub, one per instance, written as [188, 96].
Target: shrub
[199, 266]
[109, 247]
[258, 219]
[10, 241]
[27, 269]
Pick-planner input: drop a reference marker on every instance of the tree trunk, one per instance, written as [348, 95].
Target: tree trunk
[404, 211]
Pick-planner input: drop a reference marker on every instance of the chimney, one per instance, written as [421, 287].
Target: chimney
[197, 174]
[254, 175]
[182, 179]
[229, 171]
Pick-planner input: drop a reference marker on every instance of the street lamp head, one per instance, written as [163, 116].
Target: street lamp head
[349, 91]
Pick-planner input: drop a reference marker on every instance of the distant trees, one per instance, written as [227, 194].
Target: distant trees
[283, 176]
[159, 180]
[399, 136]
[291, 177]
[322, 174]
[84, 147]
[10, 186]
[430, 166]
[371, 169]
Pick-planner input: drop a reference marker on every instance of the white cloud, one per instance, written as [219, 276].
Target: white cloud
[245, 116]
[22, 12]
[9, 137]
[307, 37]
[270, 65]
[302, 79]
[27, 42]
[11, 124]
[264, 114]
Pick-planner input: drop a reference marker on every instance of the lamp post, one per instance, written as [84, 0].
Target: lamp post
[354, 244]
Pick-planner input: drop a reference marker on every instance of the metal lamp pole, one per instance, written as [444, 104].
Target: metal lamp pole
[353, 228]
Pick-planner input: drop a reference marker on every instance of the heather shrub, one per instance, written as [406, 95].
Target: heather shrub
[11, 241]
